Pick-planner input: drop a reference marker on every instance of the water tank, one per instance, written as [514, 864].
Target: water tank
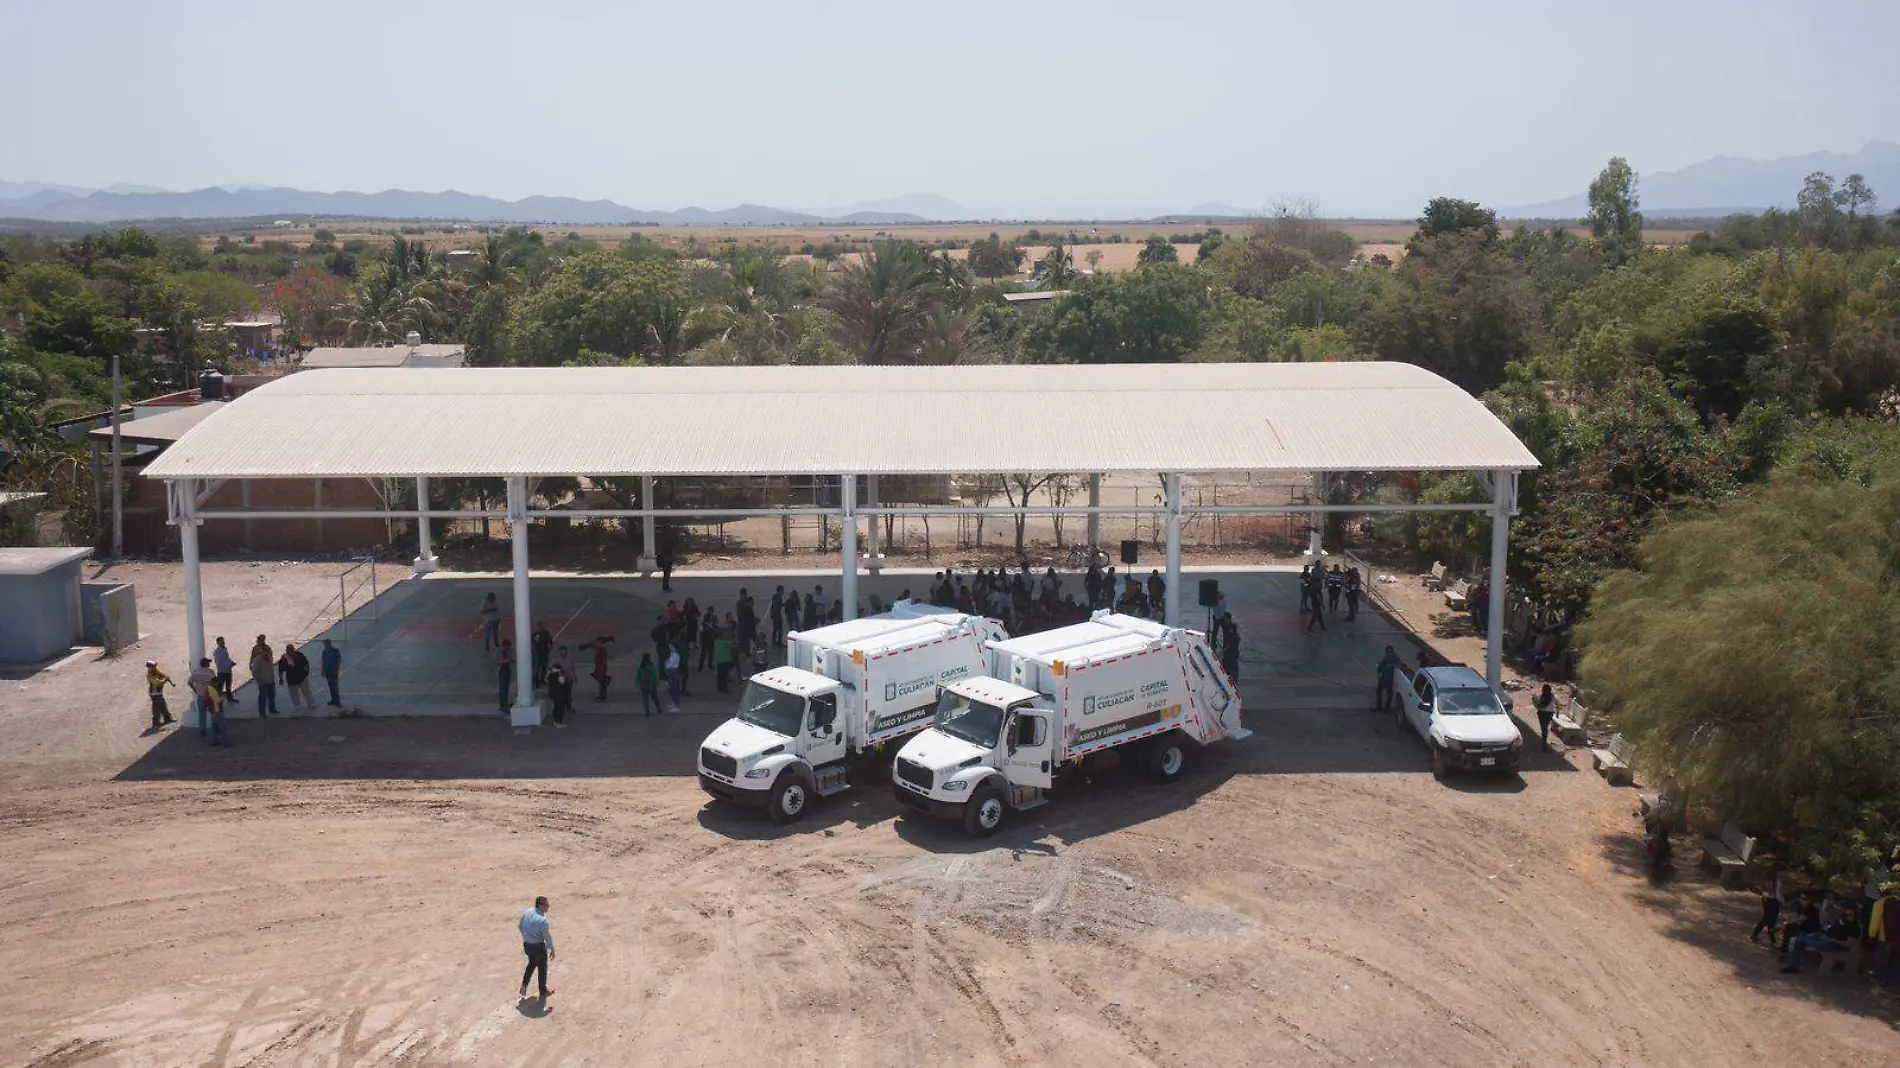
[211, 385]
[413, 339]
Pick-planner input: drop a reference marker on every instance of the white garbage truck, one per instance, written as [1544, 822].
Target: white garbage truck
[1115, 682]
[847, 689]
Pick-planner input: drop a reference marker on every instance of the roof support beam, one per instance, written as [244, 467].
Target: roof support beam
[1500, 551]
[1172, 596]
[848, 543]
[184, 510]
[649, 558]
[425, 553]
[527, 710]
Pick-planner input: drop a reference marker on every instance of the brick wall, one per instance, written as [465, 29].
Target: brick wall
[146, 531]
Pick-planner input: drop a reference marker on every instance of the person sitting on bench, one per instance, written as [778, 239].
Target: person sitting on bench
[1838, 927]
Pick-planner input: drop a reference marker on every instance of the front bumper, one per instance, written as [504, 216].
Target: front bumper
[726, 791]
[1476, 759]
[911, 799]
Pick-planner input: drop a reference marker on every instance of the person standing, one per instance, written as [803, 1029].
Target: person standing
[293, 669]
[1306, 579]
[683, 646]
[1770, 921]
[1157, 593]
[1355, 586]
[214, 703]
[491, 623]
[748, 633]
[708, 634]
[777, 610]
[674, 686]
[1883, 931]
[1388, 671]
[646, 679]
[599, 647]
[1230, 648]
[689, 615]
[537, 941]
[1546, 706]
[724, 657]
[1335, 588]
[792, 614]
[665, 561]
[816, 605]
[264, 676]
[222, 660]
[200, 681]
[541, 644]
[331, 663]
[155, 683]
[565, 661]
[561, 692]
[505, 669]
[1316, 598]
[662, 635]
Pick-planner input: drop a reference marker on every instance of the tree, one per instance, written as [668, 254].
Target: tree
[1156, 250]
[1806, 738]
[1457, 306]
[991, 258]
[883, 301]
[308, 302]
[1613, 218]
[1448, 215]
[1057, 269]
[1158, 314]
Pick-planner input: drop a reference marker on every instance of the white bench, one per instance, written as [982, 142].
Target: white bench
[1613, 760]
[1457, 595]
[1436, 579]
[1729, 855]
[1572, 723]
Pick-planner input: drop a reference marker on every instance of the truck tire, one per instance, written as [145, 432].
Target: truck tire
[790, 795]
[1440, 767]
[1166, 758]
[1399, 714]
[985, 812]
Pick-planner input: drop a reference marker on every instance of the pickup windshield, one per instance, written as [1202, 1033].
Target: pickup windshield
[974, 722]
[1468, 703]
[775, 710]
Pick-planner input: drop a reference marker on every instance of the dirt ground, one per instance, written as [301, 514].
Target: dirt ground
[344, 892]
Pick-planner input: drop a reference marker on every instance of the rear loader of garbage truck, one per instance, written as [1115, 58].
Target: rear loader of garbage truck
[1116, 682]
[848, 690]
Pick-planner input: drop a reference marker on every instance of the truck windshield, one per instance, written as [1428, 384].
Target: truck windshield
[976, 723]
[775, 710]
[1467, 703]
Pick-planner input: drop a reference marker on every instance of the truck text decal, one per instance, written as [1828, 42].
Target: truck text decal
[1103, 702]
[1146, 719]
[898, 719]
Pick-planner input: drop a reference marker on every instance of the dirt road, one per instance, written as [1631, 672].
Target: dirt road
[344, 892]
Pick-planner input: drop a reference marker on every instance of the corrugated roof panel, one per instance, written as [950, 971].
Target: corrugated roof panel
[864, 420]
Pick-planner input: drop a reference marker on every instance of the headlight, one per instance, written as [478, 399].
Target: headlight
[956, 785]
[758, 773]
[1454, 744]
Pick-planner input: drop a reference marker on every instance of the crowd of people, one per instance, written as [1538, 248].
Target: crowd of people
[1799, 919]
[213, 684]
[1321, 592]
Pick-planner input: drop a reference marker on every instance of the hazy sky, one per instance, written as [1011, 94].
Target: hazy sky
[1368, 107]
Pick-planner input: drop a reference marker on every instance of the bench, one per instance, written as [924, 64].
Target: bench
[1436, 579]
[1457, 595]
[1834, 960]
[1729, 855]
[1613, 760]
[1572, 722]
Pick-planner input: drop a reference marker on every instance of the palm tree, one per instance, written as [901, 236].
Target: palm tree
[883, 301]
[386, 309]
[951, 336]
[1057, 269]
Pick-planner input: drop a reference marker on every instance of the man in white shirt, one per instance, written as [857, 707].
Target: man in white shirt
[538, 943]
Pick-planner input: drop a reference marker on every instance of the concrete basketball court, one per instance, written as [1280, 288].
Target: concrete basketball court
[418, 650]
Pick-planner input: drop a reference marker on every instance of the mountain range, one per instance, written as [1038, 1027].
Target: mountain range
[1726, 185]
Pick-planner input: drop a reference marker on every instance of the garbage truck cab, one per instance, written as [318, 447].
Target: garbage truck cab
[1116, 682]
[849, 689]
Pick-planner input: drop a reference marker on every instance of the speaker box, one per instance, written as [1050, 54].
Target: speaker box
[1131, 552]
[1210, 592]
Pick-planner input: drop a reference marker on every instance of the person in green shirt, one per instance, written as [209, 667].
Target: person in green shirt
[725, 657]
[646, 679]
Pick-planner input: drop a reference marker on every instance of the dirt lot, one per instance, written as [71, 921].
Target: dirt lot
[344, 892]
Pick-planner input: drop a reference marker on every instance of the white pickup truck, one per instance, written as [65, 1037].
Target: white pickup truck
[1114, 682]
[1461, 719]
[848, 689]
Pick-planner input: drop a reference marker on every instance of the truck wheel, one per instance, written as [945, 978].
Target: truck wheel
[1398, 714]
[790, 795]
[1440, 767]
[1166, 757]
[985, 812]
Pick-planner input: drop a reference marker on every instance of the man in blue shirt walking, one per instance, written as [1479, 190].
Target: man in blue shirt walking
[1383, 695]
[332, 664]
[538, 943]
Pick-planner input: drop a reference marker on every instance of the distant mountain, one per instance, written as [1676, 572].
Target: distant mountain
[908, 207]
[1725, 185]
[16, 190]
[62, 204]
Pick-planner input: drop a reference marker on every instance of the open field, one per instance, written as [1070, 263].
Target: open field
[344, 891]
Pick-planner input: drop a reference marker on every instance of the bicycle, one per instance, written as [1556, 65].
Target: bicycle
[1081, 556]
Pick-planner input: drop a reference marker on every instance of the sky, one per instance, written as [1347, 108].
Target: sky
[1015, 109]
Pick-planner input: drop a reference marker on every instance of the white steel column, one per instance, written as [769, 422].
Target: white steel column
[848, 544]
[649, 560]
[1173, 598]
[527, 711]
[1316, 533]
[1501, 505]
[1095, 518]
[873, 558]
[425, 553]
[185, 512]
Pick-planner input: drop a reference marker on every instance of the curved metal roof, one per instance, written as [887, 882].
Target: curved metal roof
[1113, 418]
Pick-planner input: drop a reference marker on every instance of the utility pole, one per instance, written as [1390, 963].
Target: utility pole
[118, 519]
